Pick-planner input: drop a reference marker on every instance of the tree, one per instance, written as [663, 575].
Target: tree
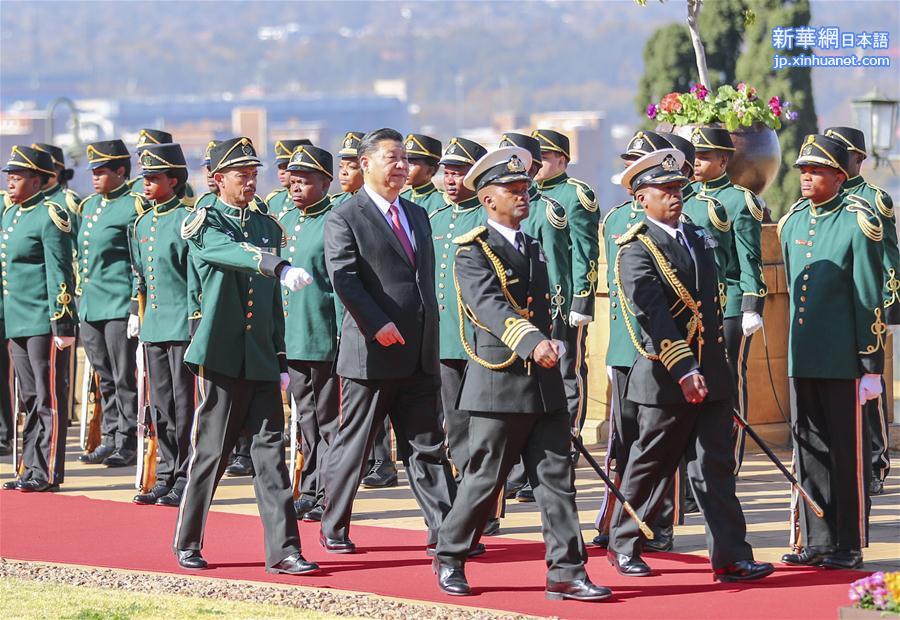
[668, 65]
[722, 24]
[794, 85]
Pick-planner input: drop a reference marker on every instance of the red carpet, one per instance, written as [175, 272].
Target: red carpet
[78, 530]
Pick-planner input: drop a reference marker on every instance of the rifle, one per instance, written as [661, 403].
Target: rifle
[145, 472]
[93, 436]
[296, 465]
[18, 465]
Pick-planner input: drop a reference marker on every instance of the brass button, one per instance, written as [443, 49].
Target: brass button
[805, 277]
[440, 295]
[812, 233]
[250, 291]
[154, 306]
[440, 306]
[803, 287]
[249, 315]
[801, 309]
[614, 317]
[292, 249]
[152, 288]
[613, 304]
[803, 298]
[800, 321]
[809, 255]
[152, 296]
[250, 303]
[720, 339]
[440, 285]
[152, 277]
[248, 328]
[285, 302]
[285, 313]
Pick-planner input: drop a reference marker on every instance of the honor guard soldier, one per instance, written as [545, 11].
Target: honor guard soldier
[583, 215]
[548, 223]
[745, 289]
[424, 154]
[512, 387]
[6, 408]
[238, 355]
[280, 199]
[463, 213]
[57, 188]
[621, 352]
[350, 175]
[166, 282]
[145, 138]
[312, 317]
[876, 409]
[665, 271]
[212, 190]
[39, 312]
[833, 256]
[106, 285]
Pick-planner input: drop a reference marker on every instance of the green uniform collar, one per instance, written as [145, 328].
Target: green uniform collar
[689, 191]
[167, 206]
[717, 183]
[423, 190]
[236, 213]
[559, 179]
[467, 205]
[28, 203]
[314, 209]
[828, 207]
[533, 191]
[123, 189]
[51, 190]
[854, 182]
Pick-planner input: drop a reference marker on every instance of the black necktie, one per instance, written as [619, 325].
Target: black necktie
[681, 239]
[520, 242]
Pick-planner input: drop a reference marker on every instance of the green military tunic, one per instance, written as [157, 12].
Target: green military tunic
[340, 197]
[208, 198]
[620, 351]
[745, 287]
[547, 222]
[104, 255]
[278, 201]
[710, 214]
[447, 223]
[584, 223]
[884, 208]
[314, 312]
[426, 196]
[830, 250]
[165, 275]
[36, 267]
[241, 332]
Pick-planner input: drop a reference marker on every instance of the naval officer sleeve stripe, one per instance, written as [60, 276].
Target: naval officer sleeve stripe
[516, 329]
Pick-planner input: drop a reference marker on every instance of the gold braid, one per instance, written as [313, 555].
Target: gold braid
[676, 285]
[463, 313]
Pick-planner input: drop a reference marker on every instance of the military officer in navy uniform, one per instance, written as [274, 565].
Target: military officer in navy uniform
[512, 388]
[280, 199]
[238, 354]
[424, 154]
[666, 273]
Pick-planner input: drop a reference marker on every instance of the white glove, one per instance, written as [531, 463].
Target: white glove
[750, 323]
[869, 387]
[560, 348]
[134, 326]
[295, 278]
[576, 319]
[63, 342]
[285, 381]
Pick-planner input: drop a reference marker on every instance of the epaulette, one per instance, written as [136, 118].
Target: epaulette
[883, 202]
[72, 201]
[272, 194]
[258, 205]
[188, 202]
[613, 210]
[59, 216]
[439, 210]
[718, 214]
[140, 204]
[585, 194]
[284, 235]
[133, 182]
[192, 223]
[470, 236]
[446, 198]
[752, 205]
[866, 218]
[631, 233]
[6, 200]
[798, 206]
[199, 200]
[556, 214]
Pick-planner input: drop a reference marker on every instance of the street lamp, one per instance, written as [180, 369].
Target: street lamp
[876, 115]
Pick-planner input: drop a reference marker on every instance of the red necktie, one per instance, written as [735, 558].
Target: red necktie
[401, 235]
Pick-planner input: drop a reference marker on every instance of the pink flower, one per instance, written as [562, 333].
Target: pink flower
[741, 87]
[775, 106]
[699, 91]
[651, 110]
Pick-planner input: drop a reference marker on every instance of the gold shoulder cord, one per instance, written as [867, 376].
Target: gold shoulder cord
[676, 285]
[464, 312]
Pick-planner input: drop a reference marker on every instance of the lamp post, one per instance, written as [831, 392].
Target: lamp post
[876, 115]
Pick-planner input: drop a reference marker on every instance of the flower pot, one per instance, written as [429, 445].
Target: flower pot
[757, 155]
[857, 613]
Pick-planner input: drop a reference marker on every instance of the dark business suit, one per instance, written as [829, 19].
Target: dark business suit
[377, 285]
[668, 426]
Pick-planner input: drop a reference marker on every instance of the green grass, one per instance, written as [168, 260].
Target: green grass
[22, 598]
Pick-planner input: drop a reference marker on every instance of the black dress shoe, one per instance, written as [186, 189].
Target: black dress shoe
[172, 499]
[36, 486]
[690, 506]
[10, 485]
[382, 475]
[628, 565]
[451, 580]
[743, 570]
[525, 494]
[123, 457]
[576, 590]
[876, 486]
[491, 528]
[5, 448]
[190, 559]
[239, 466]
[97, 456]
[314, 515]
[809, 556]
[476, 550]
[302, 506]
[843, 558]
[511, 490]
[294, 564]
[601, 540]
[334, 545]
[664, 540]
[150, 497]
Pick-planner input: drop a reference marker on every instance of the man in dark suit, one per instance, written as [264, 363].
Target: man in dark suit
[380, 259]
[512, 387]
[680, 380]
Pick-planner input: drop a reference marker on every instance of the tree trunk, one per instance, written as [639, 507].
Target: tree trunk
[693, 7]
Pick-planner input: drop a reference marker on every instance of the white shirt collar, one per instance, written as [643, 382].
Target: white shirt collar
[669, 229]
[382, 204]
[508, 233]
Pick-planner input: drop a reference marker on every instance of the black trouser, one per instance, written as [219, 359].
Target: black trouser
[456, 422]
[315, 390]
[228, 406]
[497, 440]
[876, 412]
[737, 347]
[412, 405]
[832, 462]
[42, 374]
[6, 391]
[172, 409]
[702, 434]
[383, 445]
[112, 354]
[573, 366]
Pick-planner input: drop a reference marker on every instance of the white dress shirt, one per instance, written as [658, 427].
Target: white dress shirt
[383, 206]
[673, 232]
[508, 233]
